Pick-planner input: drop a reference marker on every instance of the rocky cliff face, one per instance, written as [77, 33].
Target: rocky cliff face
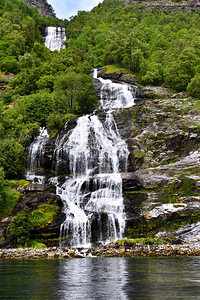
[182, 6]
[43, 7]
[162, 186]
[33, 196]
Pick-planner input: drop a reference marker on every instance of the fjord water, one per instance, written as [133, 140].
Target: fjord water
[101, 278]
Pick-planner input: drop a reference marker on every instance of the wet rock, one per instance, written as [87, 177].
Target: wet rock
[97, 85]
[133, 205]
[155, 91]
[40, 188]
[111, 76]
[128, 79]
[177, 241]
[131, 182]
[62, 167]
[122, 251]
[35, 198]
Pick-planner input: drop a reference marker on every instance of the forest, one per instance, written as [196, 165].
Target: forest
[159, 48]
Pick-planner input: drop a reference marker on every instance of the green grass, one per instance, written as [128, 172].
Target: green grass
[117, 69]
[32, 244]
[16, 183]
[10, 196]
[144, 241]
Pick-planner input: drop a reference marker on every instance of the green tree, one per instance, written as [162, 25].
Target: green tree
[31, 33]
[46, 82]
[26, 61]
[194, 86]
[36, 107]
[10, 65]
[12, 158]
[2, 175]
[78, 90]
[137, 60]
[18, 46]
[21, 226]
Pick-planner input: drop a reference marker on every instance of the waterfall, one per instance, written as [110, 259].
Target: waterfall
[92, 196]
[36, 155]
[115, 95]
[54, 36]
[94, 155]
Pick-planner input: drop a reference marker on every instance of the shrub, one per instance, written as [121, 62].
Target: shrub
[22, 225]
[44, 214]
[7, 97]
[194, 86]
[10, 65]
[12, 158]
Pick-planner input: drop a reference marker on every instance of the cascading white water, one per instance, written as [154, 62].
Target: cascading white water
[36, 154]
[92, 198]
[54, 38]
[115, 95]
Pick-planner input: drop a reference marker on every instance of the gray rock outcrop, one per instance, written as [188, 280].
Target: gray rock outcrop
[43, 7]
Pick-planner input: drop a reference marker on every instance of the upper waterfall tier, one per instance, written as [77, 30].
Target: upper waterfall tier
[115, 95]
[54, 38]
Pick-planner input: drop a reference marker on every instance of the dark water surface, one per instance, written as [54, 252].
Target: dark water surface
[101, 278]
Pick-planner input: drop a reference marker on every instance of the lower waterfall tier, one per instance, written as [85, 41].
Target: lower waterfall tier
[93, 208]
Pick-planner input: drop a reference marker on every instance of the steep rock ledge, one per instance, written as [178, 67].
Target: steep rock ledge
[161, 188]
[162, 194]
[33, 196]
[43, 7]
[184, 6]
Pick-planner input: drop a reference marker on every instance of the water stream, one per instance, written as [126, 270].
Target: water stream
[92, 197]
[54, 37]
[36, 156]
[95, 155]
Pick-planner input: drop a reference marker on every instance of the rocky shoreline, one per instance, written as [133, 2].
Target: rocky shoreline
[111, 250]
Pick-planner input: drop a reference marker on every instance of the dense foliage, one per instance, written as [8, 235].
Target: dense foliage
[160, 47]
[45, 88]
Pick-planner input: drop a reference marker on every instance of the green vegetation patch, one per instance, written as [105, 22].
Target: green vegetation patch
[144, 241]
[35, 244]
[183, 186]
[44, 214]
[9, 196]
[22, 224]
[147, 228]
[178, 220]
[109, 69]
